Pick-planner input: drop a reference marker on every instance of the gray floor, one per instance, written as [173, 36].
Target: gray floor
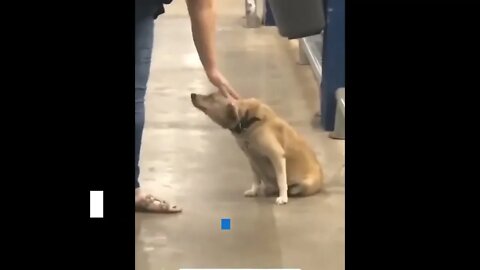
[189, 160]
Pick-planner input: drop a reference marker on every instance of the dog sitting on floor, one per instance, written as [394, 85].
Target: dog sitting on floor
[282, 162]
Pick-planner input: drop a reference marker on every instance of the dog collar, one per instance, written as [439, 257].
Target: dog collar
[244, 123]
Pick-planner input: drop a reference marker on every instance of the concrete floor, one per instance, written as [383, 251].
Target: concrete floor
[189, 160]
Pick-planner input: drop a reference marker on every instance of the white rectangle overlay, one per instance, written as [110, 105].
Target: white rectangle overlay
[96, 204]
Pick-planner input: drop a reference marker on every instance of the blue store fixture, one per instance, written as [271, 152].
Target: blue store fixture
[333, 60]
[297, 19]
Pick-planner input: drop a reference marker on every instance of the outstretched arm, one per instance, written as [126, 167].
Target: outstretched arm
[203, 19]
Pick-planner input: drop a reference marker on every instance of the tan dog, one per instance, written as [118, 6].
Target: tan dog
[280, 158]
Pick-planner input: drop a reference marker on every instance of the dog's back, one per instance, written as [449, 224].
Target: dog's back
[304, 172]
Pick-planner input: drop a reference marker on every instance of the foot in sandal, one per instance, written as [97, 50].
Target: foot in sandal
[147, 203]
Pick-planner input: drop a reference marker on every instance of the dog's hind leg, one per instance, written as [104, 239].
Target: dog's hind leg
[305, 188]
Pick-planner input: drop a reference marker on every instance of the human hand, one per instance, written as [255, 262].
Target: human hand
[217, 79]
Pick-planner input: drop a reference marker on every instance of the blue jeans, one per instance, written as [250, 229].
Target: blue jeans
[144, 22]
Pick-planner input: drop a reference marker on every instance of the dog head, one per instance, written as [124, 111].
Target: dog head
[217, 107]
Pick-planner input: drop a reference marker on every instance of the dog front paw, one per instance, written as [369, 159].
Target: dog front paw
[282, 200]
[251, 192]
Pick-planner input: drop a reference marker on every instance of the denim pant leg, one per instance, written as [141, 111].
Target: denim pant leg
[144, 24]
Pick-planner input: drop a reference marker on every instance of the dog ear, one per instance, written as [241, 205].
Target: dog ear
[232, 113]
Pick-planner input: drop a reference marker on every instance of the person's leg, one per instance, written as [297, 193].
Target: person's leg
[144, 26]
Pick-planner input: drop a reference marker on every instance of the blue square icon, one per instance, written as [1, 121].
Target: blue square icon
[225, 224]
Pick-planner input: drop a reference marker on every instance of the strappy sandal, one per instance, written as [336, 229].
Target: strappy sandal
[150, 204]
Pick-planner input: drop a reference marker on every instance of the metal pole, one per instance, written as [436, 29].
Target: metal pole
[339, 128]
[251, 17]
